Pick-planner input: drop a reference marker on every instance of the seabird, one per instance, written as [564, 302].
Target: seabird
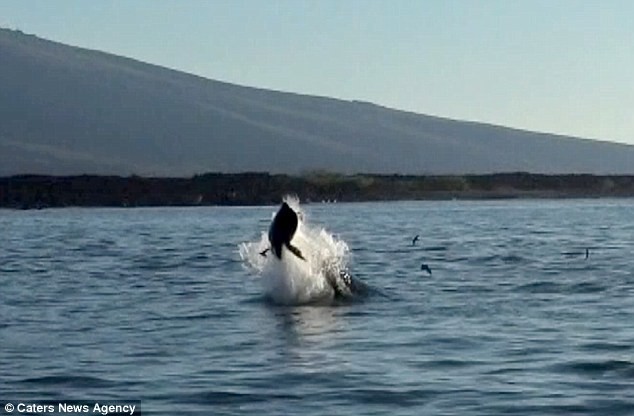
[425, 268]
[414, 240]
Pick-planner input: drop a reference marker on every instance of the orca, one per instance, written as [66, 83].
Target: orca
[281, 232]
[345, 286]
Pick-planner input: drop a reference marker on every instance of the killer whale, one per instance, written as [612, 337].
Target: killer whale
[281, 232]
[345, 286]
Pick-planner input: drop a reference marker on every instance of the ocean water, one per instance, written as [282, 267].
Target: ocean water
[158, 305]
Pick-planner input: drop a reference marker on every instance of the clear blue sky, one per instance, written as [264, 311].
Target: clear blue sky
[559, 66]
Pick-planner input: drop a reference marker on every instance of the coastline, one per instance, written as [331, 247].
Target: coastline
[41, 191]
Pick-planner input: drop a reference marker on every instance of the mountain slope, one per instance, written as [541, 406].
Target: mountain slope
[67, 110]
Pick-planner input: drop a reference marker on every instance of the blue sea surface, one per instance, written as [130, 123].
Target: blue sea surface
[156, 305]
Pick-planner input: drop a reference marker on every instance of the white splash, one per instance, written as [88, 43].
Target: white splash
[292, 280]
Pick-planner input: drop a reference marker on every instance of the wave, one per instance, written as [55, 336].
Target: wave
[225, 397]
[596, 368]
[70, 380]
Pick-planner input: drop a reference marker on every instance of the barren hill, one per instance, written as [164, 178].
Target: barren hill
[66, 110]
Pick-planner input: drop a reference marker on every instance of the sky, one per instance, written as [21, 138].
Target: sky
[555, 66]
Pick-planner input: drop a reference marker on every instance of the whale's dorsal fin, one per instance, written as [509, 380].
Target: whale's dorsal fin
[295, 251]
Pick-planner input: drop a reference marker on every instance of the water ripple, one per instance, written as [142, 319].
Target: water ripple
[154, 304]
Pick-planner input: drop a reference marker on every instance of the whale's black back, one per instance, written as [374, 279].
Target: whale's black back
[282, 230]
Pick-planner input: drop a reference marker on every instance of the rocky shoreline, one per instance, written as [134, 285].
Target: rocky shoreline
[36, 191]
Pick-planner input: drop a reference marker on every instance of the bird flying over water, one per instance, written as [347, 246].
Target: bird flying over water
[415, 239]
[425, 268]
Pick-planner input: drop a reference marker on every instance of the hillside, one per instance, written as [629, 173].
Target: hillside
[67, 111]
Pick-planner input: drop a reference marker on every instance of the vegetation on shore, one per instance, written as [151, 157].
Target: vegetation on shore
[31, 191]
